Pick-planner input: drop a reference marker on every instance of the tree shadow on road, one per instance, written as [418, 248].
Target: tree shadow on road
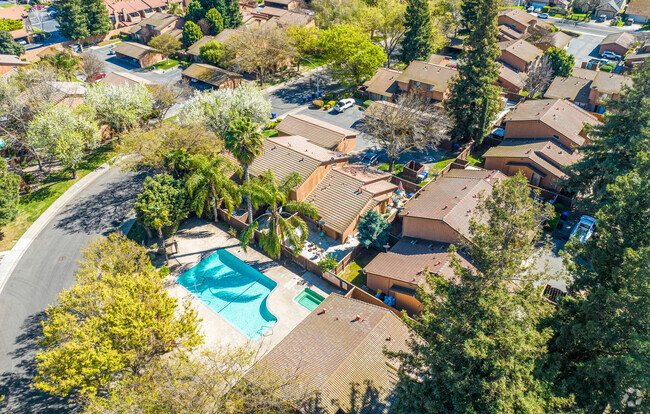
[103, 212]
[16, 386]
[294, 92]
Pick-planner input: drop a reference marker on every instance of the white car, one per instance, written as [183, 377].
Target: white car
[610, 55]
[343, 104]
[584, 229]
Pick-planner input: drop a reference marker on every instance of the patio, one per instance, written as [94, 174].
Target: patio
[197, 239]
[318, 245]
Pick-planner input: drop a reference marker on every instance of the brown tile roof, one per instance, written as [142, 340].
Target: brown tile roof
[340, 200]
[124, 78]
[610, 83]
[522, 49]
[542, 153]
[438, 59]
[195, 49]
[638, 8]
[520, 16]
[435, 75]
[509, 75]
[158, 21]
[508, 33]
[334, 352]
[130, 6]
[294, 19]
[225, 34]
[623, 39]
[209, 74]
[12, 60]
[452, 198]
[555, 39]
[319, 132]
[272, 11]
[562, 116]
[133, 50]
[384, 82]
[571, 88]
[407, 260]
[19, 34]
[584, 73]
[13, 13]
[284, 155]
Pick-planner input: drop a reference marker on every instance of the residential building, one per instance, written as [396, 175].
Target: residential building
[339, 350]
[540, 160]
[346, 194]
[441, 60]
[276, 16]
[606, 86]
[610, 8]
[550, 118]
[429, 80]
[319, 132]
[157, 24]
[124, 79]
[137, 54]
[203, 75]
[510, 80]
[282, 4]
[9, 63]
[619, 43]
[638, 10]
[402, 270]
[194, 50]
[442, 209]
[18, 13]
[558, 40]
[128, 12]
[520, 21]
[382, 86]
[570, 88]
[639, 55]
[519, 54]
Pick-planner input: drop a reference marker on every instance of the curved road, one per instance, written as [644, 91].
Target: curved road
[45, 269]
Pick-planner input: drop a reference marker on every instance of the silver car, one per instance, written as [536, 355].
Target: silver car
[343, 104]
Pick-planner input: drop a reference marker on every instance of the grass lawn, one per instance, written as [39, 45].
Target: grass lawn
[353, 273]
[476, 158]
[437, 167]
[268, 133]
[109, 42]
[33, 205]
[166, 64]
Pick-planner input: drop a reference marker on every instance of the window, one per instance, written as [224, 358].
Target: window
[384, 98]
[417, 84]
[556, 137]
[429, 87]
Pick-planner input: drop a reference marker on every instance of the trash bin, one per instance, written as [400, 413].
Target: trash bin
[309, 98]
[320, 94]
[456, 146]
[273, 115]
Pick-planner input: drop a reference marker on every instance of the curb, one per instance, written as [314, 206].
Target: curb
[11, 257]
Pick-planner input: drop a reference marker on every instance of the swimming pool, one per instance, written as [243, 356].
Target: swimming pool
[309, 299]
[234, 290]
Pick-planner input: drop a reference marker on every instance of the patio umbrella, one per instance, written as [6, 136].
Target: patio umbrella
[400, 187]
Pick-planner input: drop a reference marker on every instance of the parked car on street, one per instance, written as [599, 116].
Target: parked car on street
[370, 159]
[530, 9]
[600, 61]
[584, 229]
[542, 15]
[629, 22]
[601, 18]
[343, 104]
[610, 55]
[96, 76]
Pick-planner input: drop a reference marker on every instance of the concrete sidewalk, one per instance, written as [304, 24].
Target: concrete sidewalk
[11, 257]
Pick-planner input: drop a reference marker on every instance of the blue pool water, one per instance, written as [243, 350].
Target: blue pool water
[234, 290]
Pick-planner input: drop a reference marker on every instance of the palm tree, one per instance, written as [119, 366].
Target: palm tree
[156, 215]
[245, 141]
[175, 9]
[64, 62]
[210, 183]
[284, 226]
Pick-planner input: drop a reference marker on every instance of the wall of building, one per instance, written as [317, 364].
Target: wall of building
[534, 129]
[347, 145]
[499, 163]
[514, 61]
[507, 21]
[613, 47]
[434, 230]
[312, 181]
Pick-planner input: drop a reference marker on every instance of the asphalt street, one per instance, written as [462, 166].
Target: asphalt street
[45, 269]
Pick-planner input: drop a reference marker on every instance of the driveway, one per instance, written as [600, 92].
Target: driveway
[44, 270]
[584, 48]
[42, 21]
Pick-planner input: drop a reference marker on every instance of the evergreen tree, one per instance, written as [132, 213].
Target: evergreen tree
[99, 21]
[418, 39]
[615, 143]
[561, 62]
[194, 12]
[474, 97]
[9, 196]
[216, 21]
[8, 45]
[191, 33]
[373, 230]
[477, 340]
[234, 17]
[73, 21]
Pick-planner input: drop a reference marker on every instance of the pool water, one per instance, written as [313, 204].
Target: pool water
[233, 289]
[309, 299]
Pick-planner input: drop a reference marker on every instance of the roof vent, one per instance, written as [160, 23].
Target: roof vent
[445, 207]
[464, 188]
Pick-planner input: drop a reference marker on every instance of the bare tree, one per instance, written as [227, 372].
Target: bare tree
[261, 50]
[408, 124]
[91, 65]
[166, 95]
[539, 77]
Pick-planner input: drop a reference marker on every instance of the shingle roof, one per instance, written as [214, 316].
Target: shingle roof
[522, 49]
[509, 75]
[543, 153]
[319, 132]
[520, 16]
[124, 78]
[425, 72]
[340, 199]
[195, 49]
[384, 82]
[131, 6]
[406, 261]
[133, 50]
[12, 60]
[571, 88]
[562, 116]
[555, 39]
[13, 12]
[284, 155]
[334, 352]
[157, 20]
[293, 18]
[225, 34]
[209, 74]
[452, 198]
[623, 39]
[584, 73]
[610, 82]
[509, 33]
[638, 8]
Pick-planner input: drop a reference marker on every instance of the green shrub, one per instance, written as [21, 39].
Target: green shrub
[164, 271]
[28, 178]
[559, 207]
[327, 263]
[331, 103]
[357, 95]
[327, 107]
[28, 189]
[317, 103]
[10, 25]
[551, 224]
[545, 9]
[367, 103]
[346, 95]
[606, 68]
[556, 10]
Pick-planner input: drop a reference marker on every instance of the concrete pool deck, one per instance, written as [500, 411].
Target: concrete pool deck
[197, 239]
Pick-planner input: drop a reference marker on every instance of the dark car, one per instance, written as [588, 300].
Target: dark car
[370, 159]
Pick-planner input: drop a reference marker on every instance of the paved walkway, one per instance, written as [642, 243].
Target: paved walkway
[197, 239]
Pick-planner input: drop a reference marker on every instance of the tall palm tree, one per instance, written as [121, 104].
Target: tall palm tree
[209, 183]
[176, 9]
[64, 62]
[284, 226]
[245, 141]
